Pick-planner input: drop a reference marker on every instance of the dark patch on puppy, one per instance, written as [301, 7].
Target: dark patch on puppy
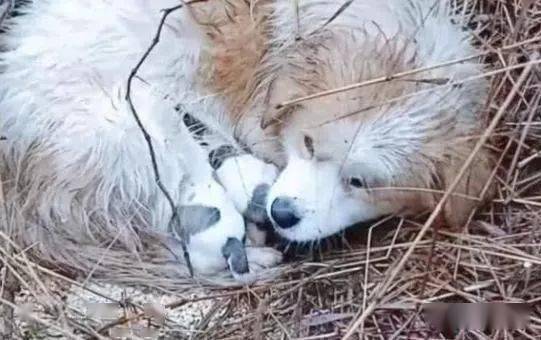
[256, 211]
[196, 218]
[220, 154]
[235, 255]
[199, 131]
[194, 125]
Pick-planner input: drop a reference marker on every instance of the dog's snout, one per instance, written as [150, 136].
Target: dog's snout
[284, 213]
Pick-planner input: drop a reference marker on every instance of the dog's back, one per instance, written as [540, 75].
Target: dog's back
[75, 164]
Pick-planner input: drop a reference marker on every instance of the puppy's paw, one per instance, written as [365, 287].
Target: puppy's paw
[260, 258]
[261, 261]
[255, 236]
[248, 264]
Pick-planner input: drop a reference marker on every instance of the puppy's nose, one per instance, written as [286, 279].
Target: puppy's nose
[283, 212]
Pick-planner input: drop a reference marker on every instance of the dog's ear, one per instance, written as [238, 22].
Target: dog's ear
[274, 115]
[196, 218]
[280, 92]
[459, 207]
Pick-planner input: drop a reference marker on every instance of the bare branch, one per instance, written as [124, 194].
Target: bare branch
[174, 222]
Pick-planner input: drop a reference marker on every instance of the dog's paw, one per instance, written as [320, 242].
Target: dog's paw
[261, 261]
[260, 258]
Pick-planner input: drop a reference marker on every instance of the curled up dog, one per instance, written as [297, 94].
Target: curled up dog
[261, 76]
[74, 162]
[357, 102]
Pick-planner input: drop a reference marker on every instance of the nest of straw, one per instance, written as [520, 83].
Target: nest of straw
[371, 287]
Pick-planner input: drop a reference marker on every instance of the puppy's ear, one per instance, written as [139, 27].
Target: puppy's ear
[196, 218]
[458, 208]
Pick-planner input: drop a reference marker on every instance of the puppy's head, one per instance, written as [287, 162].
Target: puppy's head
[210, 222]
[324, 187]
[347, 153]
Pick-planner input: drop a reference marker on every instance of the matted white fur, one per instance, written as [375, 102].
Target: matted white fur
[241, 175]
[74, 160]
[79, 168]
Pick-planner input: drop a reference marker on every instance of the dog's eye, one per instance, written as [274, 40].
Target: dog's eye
[356, 182]
[309, 143]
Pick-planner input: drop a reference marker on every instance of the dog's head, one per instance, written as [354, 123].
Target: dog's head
[347, 171]
[372, 151]
[345, 154]
[331, 166]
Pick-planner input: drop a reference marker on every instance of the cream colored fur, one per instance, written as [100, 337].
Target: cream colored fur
[76, 165]
[274, 51]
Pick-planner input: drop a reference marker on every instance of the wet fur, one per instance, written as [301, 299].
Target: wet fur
[75, 165]
[267, 52]
[228, 63]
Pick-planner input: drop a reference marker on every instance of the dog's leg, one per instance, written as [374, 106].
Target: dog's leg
[246, 180]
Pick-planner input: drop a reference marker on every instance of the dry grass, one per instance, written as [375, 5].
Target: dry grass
[370, 288]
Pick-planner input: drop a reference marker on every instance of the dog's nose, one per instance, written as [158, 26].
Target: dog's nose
[283, 212]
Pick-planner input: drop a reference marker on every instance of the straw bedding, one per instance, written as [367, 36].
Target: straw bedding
[368, 287]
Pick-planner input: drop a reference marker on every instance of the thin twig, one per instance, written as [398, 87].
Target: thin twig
[400, 75]
[333, 17]
[175, 219]
[8, 289]
[6, 6]
[429, 90]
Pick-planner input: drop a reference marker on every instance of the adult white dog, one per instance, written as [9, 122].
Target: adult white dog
[74, 161]
[79, 163]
